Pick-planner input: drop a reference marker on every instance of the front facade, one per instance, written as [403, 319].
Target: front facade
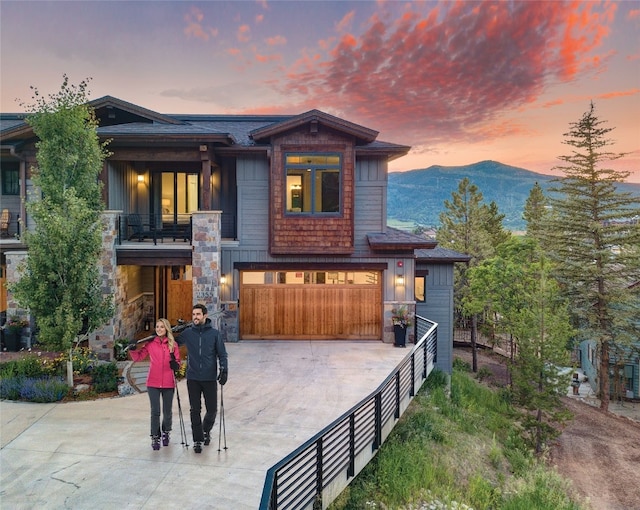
[277, 222]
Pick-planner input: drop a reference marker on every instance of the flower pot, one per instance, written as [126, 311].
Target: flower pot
[12, 340]
[400, 333]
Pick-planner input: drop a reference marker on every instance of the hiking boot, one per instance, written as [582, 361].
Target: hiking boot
[165, 439]
[197, 447]
[207, 438]
[155, 442]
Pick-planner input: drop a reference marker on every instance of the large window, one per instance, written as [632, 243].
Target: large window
[10, 178]
[312, 183]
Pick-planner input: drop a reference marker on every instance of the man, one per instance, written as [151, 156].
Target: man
[204, 347]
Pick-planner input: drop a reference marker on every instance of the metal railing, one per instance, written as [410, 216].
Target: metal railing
[159, 227]
[314, 474]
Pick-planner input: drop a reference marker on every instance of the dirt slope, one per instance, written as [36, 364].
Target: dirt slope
[599, 452]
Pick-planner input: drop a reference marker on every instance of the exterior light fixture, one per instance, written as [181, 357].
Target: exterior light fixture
[140, 177]
[223, 279]
[399, 280]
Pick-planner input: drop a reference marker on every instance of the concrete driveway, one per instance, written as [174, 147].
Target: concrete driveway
[97, 454]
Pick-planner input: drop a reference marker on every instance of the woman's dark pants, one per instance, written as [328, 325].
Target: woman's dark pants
[167, 415]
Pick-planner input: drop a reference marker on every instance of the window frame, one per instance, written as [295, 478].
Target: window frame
[11, 186]
[316, 170]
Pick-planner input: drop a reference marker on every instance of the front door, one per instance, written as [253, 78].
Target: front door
[179, 293]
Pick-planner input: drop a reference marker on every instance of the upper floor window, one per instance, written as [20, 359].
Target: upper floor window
[10, 178]
[312, 183]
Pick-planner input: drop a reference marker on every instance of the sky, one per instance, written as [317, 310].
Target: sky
[460, 82]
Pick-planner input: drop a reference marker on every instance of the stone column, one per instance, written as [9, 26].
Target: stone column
[102, 340]
[206, 260]
[15, 259]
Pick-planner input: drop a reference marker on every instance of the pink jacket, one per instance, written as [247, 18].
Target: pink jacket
[160, 373]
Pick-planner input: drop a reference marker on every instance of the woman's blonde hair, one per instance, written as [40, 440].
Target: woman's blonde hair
[172, 340]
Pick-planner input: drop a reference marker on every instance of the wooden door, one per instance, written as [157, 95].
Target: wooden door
[179, 293]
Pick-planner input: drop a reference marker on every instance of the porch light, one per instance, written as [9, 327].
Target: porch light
[399, 280]
[223, 279]
[140, 177]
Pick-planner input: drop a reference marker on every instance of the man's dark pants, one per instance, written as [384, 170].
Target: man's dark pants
[197, 390]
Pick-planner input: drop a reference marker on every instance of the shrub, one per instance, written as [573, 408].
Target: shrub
[119, 347]
[105, 377]
[10, 388]
[33, 389]
[28, 366]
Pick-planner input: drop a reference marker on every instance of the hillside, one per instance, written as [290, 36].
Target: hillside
[417, 196]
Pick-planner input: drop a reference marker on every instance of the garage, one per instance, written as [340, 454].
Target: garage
[312, 304]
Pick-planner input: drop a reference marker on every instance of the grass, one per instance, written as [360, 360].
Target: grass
[460, 451]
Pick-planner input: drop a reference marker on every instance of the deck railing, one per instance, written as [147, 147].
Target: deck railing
[161, 227]
[314, 474]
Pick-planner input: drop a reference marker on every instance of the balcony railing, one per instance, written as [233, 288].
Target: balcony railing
[161, 227]
[314, 474]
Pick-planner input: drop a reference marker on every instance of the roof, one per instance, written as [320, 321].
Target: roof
[124, 121]
[439, 254]
[398, 240]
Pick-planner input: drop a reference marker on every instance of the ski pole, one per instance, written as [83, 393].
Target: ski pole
[183, 431]
[222, 423]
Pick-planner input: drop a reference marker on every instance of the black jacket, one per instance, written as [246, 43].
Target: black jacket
[204, 345]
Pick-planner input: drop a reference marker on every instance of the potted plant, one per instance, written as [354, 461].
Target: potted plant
[401, 318]
[13, 333]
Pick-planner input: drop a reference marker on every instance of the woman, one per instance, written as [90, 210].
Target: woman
[164, 354]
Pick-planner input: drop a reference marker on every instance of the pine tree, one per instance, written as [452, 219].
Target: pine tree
[535, 211]
[464, 229]
[516, 289]
[593, 236]
[60, 282]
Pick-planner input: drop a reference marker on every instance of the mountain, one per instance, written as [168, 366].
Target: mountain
[417, 196]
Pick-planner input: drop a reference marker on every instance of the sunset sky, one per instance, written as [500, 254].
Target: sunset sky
[460, 82]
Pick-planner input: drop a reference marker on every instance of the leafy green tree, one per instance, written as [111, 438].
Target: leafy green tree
[463, 227]
[60, 282]
[516, 287]
[593, 237]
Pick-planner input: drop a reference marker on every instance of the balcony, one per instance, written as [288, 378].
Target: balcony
[145, 229]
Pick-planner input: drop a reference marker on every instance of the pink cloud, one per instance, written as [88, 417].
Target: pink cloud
[277, 40]
[194, 27]
[244, 33]
[442, 73]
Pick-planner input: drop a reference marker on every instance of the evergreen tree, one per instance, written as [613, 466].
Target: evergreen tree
[535, 211]
[60, 282]
[464, 229]
[516, 288]
[593, 237]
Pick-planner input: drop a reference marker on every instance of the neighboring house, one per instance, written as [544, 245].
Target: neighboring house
[279, 222]
[624, 371]
[624, 365]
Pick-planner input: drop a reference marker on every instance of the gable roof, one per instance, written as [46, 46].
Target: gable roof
[362, 133]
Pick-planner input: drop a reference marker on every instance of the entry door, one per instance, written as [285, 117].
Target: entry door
[179, 293]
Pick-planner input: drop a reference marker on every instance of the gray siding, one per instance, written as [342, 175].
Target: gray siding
[439, 308]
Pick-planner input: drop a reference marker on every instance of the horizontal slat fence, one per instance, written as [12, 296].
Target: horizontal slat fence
[313, 475]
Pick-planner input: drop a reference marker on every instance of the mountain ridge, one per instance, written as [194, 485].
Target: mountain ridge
[417, 196]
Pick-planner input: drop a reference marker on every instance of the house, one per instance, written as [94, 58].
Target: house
[276, 221]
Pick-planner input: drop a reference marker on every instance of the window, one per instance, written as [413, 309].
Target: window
[11, 178]
[419, 286]
[312, 183]
[310, 277]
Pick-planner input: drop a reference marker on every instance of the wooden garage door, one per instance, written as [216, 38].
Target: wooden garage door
[324, 311]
